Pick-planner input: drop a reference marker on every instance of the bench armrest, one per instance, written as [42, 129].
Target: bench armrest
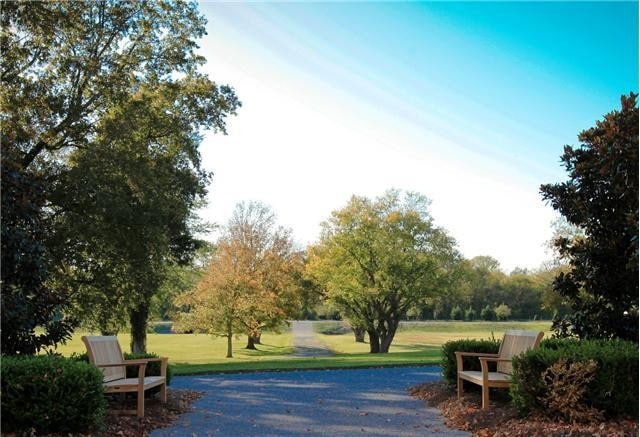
[163, 360]
[459, 356]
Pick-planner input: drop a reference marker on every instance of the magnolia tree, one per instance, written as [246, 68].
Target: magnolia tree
[601, 200]
[376, 259]
[252, 282]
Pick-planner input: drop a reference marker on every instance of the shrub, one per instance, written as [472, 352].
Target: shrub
[470, 314]
[488, 313]
[614, 388]
[50, 394]
[503, 312]
[457, 313]
[567, 384]
[449, 364]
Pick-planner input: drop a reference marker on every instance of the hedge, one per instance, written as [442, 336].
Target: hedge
[449, 364]
[614, 389]
[50, 394]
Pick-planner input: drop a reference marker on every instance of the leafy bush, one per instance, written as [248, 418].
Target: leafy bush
[488, 313]
[457, 313]
[614, 388]
[470, 314]
[503, 312]
[153, 368]
[50, 394]
[449, 364]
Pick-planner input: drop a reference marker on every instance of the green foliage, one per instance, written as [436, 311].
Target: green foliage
[27, 301]
[51, 394]
[470, 314]
[379, 258]
[601, 199]
[106, 99]
[503, 312]
[449, 363]
[457, 313]
[614, 389]
[488, 313]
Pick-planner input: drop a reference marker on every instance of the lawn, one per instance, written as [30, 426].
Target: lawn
[415, 343]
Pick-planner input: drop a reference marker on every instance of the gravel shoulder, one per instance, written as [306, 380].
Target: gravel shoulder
[324, 402]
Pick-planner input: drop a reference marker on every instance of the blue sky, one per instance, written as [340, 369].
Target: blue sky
[469, 103]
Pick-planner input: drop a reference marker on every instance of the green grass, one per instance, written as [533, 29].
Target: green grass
[414, 344]
[416, 336]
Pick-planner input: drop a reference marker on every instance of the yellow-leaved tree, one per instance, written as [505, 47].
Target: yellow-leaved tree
[251, 283]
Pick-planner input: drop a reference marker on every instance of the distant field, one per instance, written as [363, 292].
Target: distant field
[415, 336]
[414, 343]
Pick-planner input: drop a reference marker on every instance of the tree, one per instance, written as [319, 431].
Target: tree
[27, 302]
[601, 198]
[65, 64]
[89, 80]
[252, 281]
[377, 259]
[114, 210]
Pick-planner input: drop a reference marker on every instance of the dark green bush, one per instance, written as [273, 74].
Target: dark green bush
[470, 314]
[449, 365]
[488, 313]
[614, 389]
[457, 313]
[153, 368]
[50, 394]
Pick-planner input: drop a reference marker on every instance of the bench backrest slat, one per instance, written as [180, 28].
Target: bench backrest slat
[515, 342]
[105, 350]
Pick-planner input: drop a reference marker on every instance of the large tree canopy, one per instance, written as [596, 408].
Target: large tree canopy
[377, 259]
[601, 199]
[64, 64]
[106, 100]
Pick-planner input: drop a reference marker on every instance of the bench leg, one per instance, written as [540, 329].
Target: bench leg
[485, 397]
[459, 387]
[140, 409]
[163, 393]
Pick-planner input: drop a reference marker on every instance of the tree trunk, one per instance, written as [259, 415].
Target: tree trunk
[387, 337]
[138, 319]
[257, 337]
[229, 340]
[359, 334]
[251, 342]
[374, 342]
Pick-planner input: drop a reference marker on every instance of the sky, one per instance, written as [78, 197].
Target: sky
[468, 103]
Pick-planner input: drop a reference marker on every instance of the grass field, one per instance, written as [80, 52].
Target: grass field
[414, 343]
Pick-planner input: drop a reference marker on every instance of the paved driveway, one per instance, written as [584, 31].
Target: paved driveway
[324, 402]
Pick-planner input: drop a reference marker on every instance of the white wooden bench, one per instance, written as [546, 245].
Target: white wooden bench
[514, 343]
[105, 353]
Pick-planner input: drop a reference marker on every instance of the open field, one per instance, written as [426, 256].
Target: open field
[415, 343]
[416, 336]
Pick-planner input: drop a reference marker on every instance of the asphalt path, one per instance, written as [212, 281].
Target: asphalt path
[322, 402]
[305, 342]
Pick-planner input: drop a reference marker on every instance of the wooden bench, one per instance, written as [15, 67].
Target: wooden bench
[105, 353]
[514, 343]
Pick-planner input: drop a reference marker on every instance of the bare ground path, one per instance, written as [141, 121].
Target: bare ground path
[305, 342]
